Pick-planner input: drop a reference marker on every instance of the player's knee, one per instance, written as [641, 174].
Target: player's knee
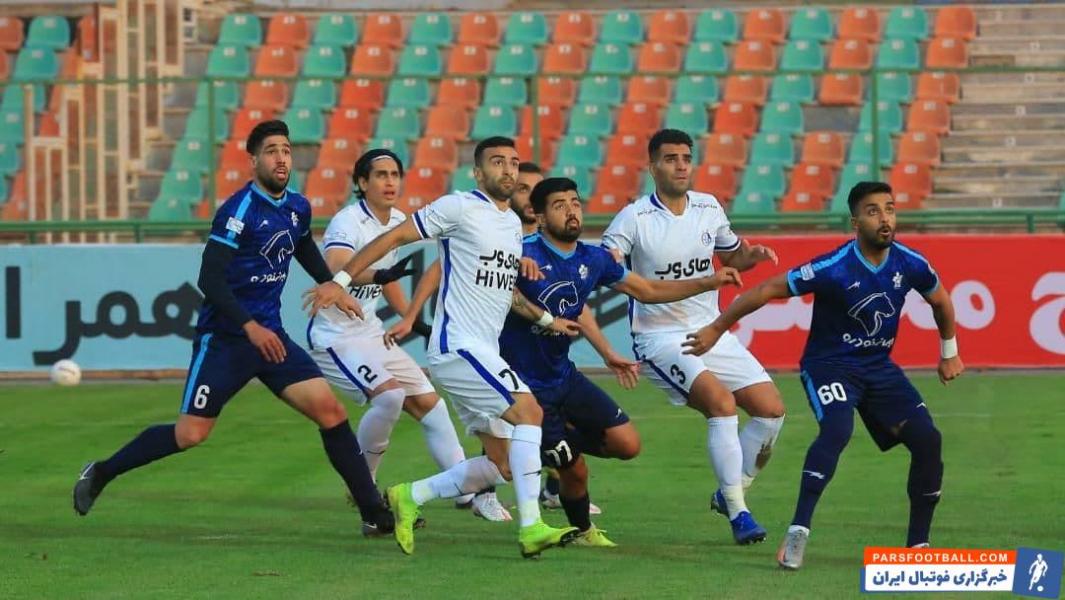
[189, 435]
[922, 438]
[329, 413]
[390, 402]
[626, 447]
[576, 474]
[835, 434]
[420, 405]
[527, 411]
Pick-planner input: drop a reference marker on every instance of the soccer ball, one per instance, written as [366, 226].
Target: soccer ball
[66, 372]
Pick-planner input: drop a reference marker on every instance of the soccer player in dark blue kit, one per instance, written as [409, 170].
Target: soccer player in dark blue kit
[254, 236]
[579, 417]
[859, 290]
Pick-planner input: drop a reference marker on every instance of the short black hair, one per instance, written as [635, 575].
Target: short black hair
[551, 185]
[667, 136]
[364, 166]
[862, 190]
[262, 131]
[496, 141]
[530, 167]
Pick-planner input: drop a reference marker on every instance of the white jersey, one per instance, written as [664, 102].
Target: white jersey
[661, 245]
[352, 228]
[480, 249]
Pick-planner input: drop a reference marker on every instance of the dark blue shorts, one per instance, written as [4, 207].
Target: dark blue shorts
[578, 404]
[223, 364]
[880, 392]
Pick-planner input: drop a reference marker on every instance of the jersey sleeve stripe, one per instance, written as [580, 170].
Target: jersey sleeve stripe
[666, 378]
[195, 372]
[223, 240]
[418, 224]
[912, 253]
[488, 378]
[792, 276]
[347, 373]
[728, 248]
[835, 258]
[339, 245]
[446, 245]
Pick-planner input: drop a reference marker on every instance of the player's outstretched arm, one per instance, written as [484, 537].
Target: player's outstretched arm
[747, 256]
[427, 286]
[627, 371]
[521, 306]
[658, 292]
[703, 340]
[950, 365]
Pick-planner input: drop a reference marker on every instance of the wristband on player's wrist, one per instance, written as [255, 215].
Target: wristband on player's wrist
[948, 348]
[342, 279]
[545, 320]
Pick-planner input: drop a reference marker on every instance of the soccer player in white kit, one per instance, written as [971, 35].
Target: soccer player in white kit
[674, 233]
[479, 237]
[352, 353]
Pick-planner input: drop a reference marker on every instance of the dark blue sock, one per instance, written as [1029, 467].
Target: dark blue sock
[577, 511]
[346, 457]
[155, 442]
[821, 460]
[551, 486]
[925, 444]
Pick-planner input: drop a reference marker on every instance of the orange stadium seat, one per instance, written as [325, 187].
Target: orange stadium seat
[802, 202]
[460, 92]
[944, 87]
[328, 184]
[638, 118]
[813, 179]
[16, 207]
[767, 24]
[49, 126]
[479, 28]
[468, 59]
[717, 179]
[228, 181]
[87, 42]
[12, 35]
[437, 152]
[448, 120]
[557, 91]
[383, 29]
[575, 28]
[850, 53]
[373, 59]
[860, 23]
[750, 89]
[523, 144]
[339, 154]
[426, 183]
[266, 95]
[912, 178]
[5, 66]
[670, 27]
[726, 149]
[906, 200]
[841, 89]
[649, 90]
[627, 149]
[736, 118]
[367, 94]
[947, 53]
[659, 57]
[618, 180]
[823, 148]
[289, 30]
[956, 22]
[279, 61]
[606, 204]
[235, 154]
[552, 121]
[352, 124]
[246, 119]
[919, 147]
[754, 55]
[565, 58]
[929, 115]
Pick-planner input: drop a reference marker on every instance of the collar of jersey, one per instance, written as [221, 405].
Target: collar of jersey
[658, 204]
[366, 209]
[869, 265]
[557, 250]
[258, 190]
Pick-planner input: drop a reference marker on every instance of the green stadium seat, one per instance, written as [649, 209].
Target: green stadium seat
[198, 125]
[241, 30]
[494, 120]
[611, 59]
[336, 29]
[11, 126]
[802, 55]
[183, 185]
[9, 160]
[4, 191]
[14, 95]
[400, 123]
[697, 88]
[580, 151]
[889, 117]
[899, 54]
[305, 125]
[794, 87]
[420, 60]
[462, 180]
[688, 117]
[849, 176]
[295, 182]
[706, 57]
[766, 179]
[315, 93]
[581, 176]
[431, 29]
[516, 60]
[773, 149]
[325, 61]
[166, 208]
[861, 151]
[409, 91]
[717, 26]
[753, 202]
[395, 144]
[228, 61]
[621, 27]
[226, 94]
[52, 32]
[812, 24]
[893, 87]
[600, 89]
[36, 64]
[591, 120]
[506, 91]
[907, 22]
[191, 154]
[527, 28]
[782, 117]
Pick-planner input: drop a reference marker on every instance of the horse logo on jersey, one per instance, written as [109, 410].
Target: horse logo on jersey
[559, 297]
[277, 248]
[871, 311]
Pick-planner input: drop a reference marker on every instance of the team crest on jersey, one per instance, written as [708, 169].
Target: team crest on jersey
[871, 312]
[707, 238]
[583, 271]
[559, 297]
[897, 280]
[295, 220]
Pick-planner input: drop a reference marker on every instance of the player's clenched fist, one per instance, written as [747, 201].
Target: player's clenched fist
[725, 276]
[950, 368]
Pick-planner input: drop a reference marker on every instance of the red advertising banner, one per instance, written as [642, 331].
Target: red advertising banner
[1008, 293]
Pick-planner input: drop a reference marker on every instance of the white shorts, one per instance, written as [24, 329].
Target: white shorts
[674, 372]
[357, 365]
[480, 385]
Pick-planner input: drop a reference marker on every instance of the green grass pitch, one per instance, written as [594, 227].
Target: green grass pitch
[257, 512]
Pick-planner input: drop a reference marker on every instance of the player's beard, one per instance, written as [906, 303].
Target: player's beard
[566, 233]
[879, 241]
[525, 213]
[497, 191]
[269, 181]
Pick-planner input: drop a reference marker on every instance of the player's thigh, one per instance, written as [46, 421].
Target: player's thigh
[739, 371]
[890, 400]
[481, 386]
[354, 366]
[830, 388]
[299, 382]
[555, 448]
[220, 367]
[588, 407]
[672, 371]
[760, 400]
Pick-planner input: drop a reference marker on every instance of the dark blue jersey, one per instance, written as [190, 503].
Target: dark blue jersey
[263, 233]
[541, 356]
[857, 306]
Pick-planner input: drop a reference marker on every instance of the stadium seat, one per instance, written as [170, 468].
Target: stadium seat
[706, 57]
[813, 24]
[305, 125]
[243, 122]
[411, 92]
[448, 120]
[766, 24]
[543, 156]
[228, 181]
[956, 22]
[717, 179]
[783, 117]
[5, 66]
[691, 118]
[166, 208]
[862, 149]
[913, 178]
[749, 89]
[659, 57]
[766, 179]
[565, 59]
[899, 54]
[437, 152]
[266, 95]
[907, 22]
[930, 116]
[191, 154]
[736, 118]
[462, 179]
[12, 35]
[823, 148]
[327, 186]
[574, 27]
[627, 149]
[395, 144]
[423, 61]
[14, 97]
[481, 29]
[335, 29]
[12, 127]
[717, 25]
[527, 28]
[622, 27]
[295, 182]
[591, 119]
[726, 149]
[506, 91]
[754, 55]
[431, 29]
[893, 87]
[50, 31]
[851, 174]
[315, 93]
[650, 90]
[618, 180]
[605, 204]
[226, 94]
[9, 163]
[841, 89]
[638, 118]
[383, 29]
[860, 23]
[582, 177]
[241, 30]
[86, 41]
[373, 59]
[552, 121]
[795, 201]
[228, 61]
[696, 88]
[793, 87]
[919, 147]
[425, 183]
[324, 61]
[494, 120]
[669, 27]
[802, 55]
[600, 89]
[814, 179]
[752, 202]
[234, 155]
[182, 185]
[557, 91]
[517, 60]
[289, 30]
[399, 122]
[611, 59]
[368, 94]
[907, 200]
[944, 87]
[277, 61]
[197, 126]
[468, 59]
[580, 151]
[889, 117]
[772, 149]
[850, 54]
[947, 53]
[36, 64]
[352, 124]
[648, 186]
[459, 91]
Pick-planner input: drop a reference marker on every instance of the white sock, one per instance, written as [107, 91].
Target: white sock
[757, 439]
[726, 456]
[798, 528]
[375, 427]
[525, 471]
[466, 477]
[441, 438]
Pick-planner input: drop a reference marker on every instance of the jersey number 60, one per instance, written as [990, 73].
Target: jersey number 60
[832, 392]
